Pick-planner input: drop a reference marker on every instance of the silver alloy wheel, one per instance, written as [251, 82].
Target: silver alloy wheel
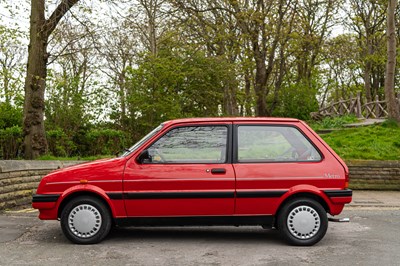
[84, 220]
[303, 222]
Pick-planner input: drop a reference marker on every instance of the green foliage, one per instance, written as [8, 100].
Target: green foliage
[377, 142]
[9, 115]
[297, 100]
[175, 84]
[10, 131]
[12, 65]
[105, 141]
[65, 105]
[59, 143]
[91, 142]
[10, 142]
[341, 54]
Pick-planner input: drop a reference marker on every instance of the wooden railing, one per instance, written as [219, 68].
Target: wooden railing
[354, 106]
[375, 109]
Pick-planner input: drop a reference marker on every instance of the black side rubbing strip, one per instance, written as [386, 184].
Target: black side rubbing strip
[196, 195]
[116, 196]
[339, 193]
[260, 194]
[45, 197]
[178, 195]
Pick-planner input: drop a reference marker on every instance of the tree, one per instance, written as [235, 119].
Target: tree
[343, 71]
[393, 107]
[210, 27]
[368, 21]
[35, 143]
[117, 55]
[11, 66]
[71, 82]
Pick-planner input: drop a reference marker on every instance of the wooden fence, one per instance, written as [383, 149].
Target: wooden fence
[354, 106]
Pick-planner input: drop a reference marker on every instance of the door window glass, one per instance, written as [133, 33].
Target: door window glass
[197, 144]
[274, 143]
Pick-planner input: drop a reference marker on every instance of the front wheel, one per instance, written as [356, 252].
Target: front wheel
[85, 220]
[302, 222]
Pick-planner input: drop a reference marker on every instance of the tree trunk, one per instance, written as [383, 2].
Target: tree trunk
[230, 102]
[367, 70]
[247, 93]
[35, 142]
[367, 82]
[259, 88]
[260, 80]
[393, 108]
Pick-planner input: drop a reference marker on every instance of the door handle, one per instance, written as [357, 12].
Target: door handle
[218, 171]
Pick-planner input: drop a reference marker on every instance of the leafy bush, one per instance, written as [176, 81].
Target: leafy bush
[10, 131]
[10, 142]
[297, 100]
[104, 141]
[59, 143]
[10, 116]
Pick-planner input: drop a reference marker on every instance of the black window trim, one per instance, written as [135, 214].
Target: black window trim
[229, 142]
[235, 144]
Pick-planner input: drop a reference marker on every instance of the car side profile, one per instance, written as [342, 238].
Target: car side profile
[272, 172]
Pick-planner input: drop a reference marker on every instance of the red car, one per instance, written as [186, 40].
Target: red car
[273, 172]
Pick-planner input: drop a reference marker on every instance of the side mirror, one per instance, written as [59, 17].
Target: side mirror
[144, 157]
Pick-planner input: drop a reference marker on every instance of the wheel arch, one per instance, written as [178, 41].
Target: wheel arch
[77, 192]
[303, 191]
[306, 191]
[310, 195]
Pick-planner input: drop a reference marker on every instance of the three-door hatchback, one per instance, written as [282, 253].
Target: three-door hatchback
[272, 172]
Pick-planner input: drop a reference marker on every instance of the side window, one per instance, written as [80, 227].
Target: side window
[197, 144]
[274, 143]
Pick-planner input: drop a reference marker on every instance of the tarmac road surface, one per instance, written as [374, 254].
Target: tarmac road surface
[371, 238]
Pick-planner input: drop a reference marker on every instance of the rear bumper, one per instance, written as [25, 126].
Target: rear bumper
[339, 193]
[338, 199]
[46, 204]
[339, 196]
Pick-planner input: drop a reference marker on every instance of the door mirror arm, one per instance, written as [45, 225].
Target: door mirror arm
[144, 157]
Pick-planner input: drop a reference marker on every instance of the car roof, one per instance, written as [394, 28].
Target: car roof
[230, 119]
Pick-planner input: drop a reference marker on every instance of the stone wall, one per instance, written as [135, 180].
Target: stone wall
[374, 175]
[19, 179]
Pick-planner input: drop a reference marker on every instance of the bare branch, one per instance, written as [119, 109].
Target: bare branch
[58, 13]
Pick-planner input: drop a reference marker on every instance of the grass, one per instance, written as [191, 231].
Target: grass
[378, 142]
[333, 122]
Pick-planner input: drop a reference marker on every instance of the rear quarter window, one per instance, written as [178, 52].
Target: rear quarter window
[265, 143]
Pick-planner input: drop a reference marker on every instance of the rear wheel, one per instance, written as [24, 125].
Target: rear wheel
[302, 222]
[85, 220]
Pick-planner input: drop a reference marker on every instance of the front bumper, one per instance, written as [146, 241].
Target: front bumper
[46, 204]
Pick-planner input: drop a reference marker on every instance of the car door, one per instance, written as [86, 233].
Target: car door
[187, 172]
[269, 159]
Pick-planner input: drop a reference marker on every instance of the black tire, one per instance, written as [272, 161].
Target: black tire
[302, 222]
[96, 223]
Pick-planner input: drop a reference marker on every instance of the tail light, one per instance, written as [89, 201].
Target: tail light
[346, 179]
